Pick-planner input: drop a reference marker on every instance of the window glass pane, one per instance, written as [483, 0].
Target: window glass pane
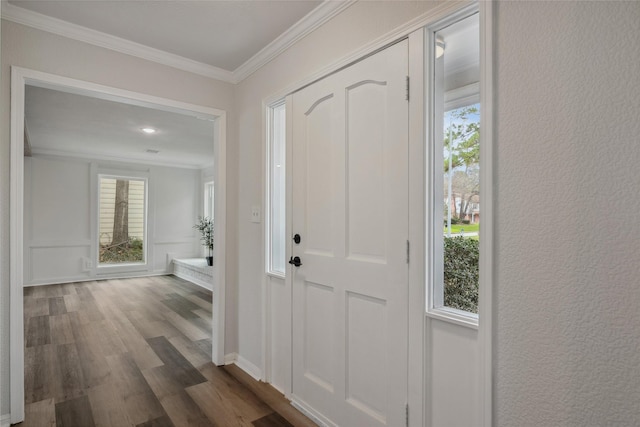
[277, 189]
[121, 220]
[458, 110]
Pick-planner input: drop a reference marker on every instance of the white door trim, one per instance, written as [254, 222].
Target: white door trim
[417, 191]
[487, 181]
[414, 29]
[21, 77]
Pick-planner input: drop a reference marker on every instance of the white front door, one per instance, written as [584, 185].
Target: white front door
[350, 209]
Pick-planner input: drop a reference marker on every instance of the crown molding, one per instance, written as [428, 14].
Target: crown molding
[314, 19]
[45, 152]
[42, 22]
[318, 16]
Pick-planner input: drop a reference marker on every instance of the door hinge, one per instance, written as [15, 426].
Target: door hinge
[406, 414]
[407, 94]
[407, 252]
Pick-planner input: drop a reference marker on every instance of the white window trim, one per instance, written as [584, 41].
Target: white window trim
[462, 96]
[485, 298]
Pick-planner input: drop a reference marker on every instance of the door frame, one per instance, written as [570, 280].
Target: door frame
[20, 77]
[415, 30]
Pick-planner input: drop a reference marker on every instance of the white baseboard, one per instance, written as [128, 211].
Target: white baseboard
[118, 276]
[194, 280]
[230, 358]
[5, 420]
[244, 364]
[311, 413]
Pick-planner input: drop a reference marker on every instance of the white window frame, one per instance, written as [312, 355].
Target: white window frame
[269, 217]
[129, 266]
[470, 94]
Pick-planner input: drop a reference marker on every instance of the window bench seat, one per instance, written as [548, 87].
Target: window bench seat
[194, 270]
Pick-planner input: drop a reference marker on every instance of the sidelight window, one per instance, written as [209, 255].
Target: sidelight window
[276, 189]
[208, 200]
[455, 161]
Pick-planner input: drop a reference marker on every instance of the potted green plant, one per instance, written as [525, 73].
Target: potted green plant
[205, 227]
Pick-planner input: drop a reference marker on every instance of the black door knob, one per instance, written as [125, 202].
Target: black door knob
[296, 239]
[295, 261]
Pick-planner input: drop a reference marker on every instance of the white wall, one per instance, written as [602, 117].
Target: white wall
[568, 149]
[61, 224]
[451, 364]
[34, 49]
[174, 201]
[57, 223]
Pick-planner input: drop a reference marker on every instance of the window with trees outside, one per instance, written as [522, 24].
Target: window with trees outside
[122, 220]
[276, 191]
[456, 181]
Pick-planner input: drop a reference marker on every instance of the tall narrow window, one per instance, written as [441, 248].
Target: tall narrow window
[276, 189]
[208, 200]
[122, 220]
[456, 169]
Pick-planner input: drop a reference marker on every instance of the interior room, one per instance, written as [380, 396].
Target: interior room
[73, 142]
[420, 213]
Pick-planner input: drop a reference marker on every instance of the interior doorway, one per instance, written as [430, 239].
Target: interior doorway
[21, 78]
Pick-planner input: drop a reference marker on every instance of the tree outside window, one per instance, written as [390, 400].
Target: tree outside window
[122, 220]
[461, 207]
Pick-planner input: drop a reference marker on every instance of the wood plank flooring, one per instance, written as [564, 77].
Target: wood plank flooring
[135, 352]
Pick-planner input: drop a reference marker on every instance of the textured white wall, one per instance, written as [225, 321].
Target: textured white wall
[38, 50]
[568, 151]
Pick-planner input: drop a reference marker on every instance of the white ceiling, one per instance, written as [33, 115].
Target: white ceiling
[222, 34]
[227, 40]
[61, 123]
[461, 53]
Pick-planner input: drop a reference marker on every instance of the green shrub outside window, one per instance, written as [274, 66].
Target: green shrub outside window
[461, 257]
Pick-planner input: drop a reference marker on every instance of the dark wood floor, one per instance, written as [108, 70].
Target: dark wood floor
[135, 352]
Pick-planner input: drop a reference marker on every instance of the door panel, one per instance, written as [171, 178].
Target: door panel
[363, 390]
[350, 206]
[318, 162]
[365, 140]
[318, 345]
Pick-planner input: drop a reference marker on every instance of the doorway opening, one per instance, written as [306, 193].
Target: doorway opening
[24, 79]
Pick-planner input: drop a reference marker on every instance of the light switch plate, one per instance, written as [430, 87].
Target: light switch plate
[255, 214]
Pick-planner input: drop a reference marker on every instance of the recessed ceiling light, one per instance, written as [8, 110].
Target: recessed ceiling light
[149, 131]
